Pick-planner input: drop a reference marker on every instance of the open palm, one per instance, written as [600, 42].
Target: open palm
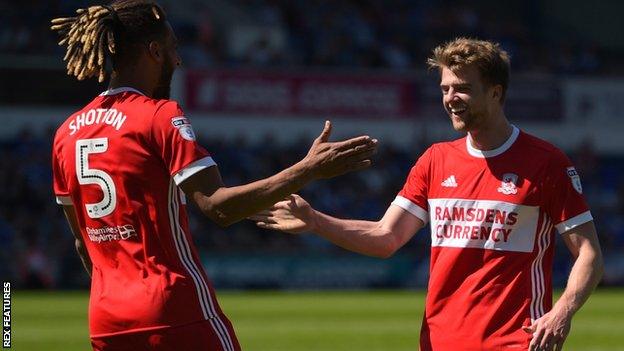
[292, 215]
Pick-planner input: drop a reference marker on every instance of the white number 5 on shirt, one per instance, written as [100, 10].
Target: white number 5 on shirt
[87, 175]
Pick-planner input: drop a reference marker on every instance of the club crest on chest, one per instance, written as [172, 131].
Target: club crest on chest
[509, 184]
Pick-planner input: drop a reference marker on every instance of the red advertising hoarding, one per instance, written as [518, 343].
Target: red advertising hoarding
[280, 93]
[365, 95]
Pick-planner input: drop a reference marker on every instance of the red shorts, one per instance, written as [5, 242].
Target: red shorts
[198, 336]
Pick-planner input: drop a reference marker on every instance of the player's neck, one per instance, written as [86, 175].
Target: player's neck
[491, 136]
[138, 83]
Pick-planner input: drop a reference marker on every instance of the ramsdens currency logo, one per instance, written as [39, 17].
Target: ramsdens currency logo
[485, 224]
[104, 234]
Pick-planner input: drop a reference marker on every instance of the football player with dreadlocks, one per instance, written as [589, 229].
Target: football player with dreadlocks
[123, 166]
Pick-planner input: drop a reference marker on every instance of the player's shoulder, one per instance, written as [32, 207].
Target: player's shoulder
[167, 110]
[132, 101]
[158, 111]
[163, 106]
[436, 152]
[447, 148]
[151, 106]
[457, 144]
[538, 147]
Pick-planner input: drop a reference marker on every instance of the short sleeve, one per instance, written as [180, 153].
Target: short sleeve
[176, 142]
[565, 203]
[61, 191]
[413, 197]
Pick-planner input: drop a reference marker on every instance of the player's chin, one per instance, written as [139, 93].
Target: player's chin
[458, 124]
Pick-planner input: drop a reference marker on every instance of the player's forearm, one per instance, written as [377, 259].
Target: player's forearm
[584, 277]
[364, 237]
[81, 249]
[84, 256]
[232, 204]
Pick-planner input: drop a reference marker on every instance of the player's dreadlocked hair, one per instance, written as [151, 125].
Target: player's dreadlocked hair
[108, 31]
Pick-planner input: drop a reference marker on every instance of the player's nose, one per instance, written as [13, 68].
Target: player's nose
[450, 96]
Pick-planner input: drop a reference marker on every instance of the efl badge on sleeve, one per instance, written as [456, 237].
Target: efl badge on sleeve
[184, 127]
[508, 184]
[575, 179]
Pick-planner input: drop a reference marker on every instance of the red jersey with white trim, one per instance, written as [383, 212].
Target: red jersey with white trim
[119, 161]
[492, 215]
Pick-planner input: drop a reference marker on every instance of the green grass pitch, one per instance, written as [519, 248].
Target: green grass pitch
[298, 321]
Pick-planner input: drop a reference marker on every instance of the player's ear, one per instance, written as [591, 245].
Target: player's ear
[497, 92]
[156, 51]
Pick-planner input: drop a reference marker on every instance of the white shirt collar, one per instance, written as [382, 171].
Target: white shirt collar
[120, 90]
[491, 153]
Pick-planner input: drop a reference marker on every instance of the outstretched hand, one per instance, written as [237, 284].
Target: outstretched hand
[331, 159]
[549, 332]
[292, 215]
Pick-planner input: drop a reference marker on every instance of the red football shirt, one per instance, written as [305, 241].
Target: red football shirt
[492, 216]
[119, 161]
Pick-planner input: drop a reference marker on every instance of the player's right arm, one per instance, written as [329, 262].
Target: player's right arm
[227, 205]
[407, 214]
[380, 238]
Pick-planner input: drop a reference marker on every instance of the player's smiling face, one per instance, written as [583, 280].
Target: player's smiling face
[464, 96]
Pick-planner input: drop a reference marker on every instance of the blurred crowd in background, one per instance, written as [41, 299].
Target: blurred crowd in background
[391, 34]
[33, 229]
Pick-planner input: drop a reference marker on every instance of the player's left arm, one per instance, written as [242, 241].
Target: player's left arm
[551, 330]
[63, 198]
[70, 214]
[196, 173]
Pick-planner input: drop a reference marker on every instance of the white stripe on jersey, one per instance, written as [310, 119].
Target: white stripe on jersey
[216, 322]
[184, 252]
[537, 270]
[535, 286]
[547, 239]
[172, 223]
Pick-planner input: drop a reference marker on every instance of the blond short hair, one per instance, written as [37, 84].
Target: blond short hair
[491, 61]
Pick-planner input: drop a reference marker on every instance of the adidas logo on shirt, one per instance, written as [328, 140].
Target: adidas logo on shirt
[450, 182]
